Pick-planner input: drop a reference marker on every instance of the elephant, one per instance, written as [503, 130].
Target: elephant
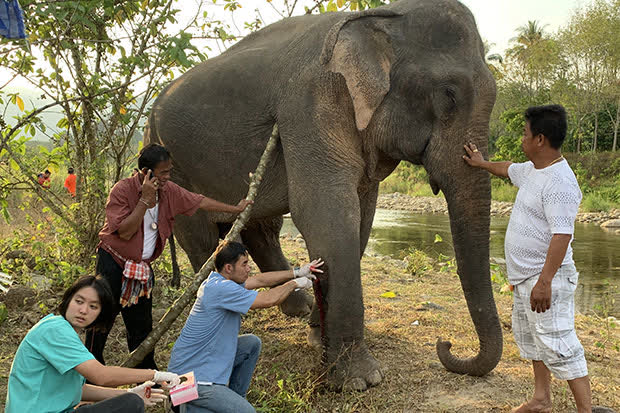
[353, 94]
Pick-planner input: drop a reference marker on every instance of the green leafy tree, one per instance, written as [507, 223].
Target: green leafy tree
[99, 63]
[533, 59]
[591, 51]
[508, 145]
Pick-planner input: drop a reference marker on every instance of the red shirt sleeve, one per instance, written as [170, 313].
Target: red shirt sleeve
[183, 201]
[117, 208]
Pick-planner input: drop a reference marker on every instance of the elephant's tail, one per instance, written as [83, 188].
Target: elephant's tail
[150, 132]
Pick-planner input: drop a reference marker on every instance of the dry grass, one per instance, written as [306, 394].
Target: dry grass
[289, 377]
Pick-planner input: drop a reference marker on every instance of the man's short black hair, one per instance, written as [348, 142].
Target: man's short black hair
[228, 253]
[550, 120]
[47, 171]
[106, 300]
[70, 170]
[151, 155]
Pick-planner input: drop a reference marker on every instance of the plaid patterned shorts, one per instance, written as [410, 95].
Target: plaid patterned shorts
[550, 336]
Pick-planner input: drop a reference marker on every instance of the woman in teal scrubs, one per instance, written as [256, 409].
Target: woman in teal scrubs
[52, 364]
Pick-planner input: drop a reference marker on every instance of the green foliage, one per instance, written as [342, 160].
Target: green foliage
[417, 261]
[353, 5]
[3, 313]
[576, 67]
[447, 264]
[594, 202]
[607, 338]
[99, 63]
[598, 176]
[49, 251]
[500, 278]
[289, 393]
[502, 190]
[407, 179]
[508, 145]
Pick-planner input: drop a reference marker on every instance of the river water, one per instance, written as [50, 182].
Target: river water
[596, 251]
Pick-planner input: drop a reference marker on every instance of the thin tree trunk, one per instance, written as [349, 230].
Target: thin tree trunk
[616, 124]
[190, 292]
[176, 272]
[578, 133]
[595, 131]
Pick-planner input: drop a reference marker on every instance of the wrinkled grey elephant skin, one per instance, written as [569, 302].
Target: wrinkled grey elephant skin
[353, 95]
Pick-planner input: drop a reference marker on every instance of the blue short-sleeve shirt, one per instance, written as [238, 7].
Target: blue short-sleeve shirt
[208, 341]
[43, 377]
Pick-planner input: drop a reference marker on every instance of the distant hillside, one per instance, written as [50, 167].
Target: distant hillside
[32, 99]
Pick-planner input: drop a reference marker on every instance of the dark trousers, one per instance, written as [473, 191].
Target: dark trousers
[125, 403]
[138, 317]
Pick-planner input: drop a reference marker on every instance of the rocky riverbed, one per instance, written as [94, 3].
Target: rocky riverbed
[437, 205]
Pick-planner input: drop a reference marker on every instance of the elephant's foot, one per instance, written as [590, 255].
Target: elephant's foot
[354, 369]
[314, 337]
[298, 304]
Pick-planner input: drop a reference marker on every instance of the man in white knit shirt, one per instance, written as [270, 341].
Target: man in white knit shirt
[539, 258]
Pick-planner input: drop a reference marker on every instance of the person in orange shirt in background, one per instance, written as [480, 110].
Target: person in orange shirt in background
[44, 179]
[70, 182]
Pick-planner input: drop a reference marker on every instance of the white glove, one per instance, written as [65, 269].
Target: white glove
[303, 282]
[307, 269]
[167, 378]
[149, 395]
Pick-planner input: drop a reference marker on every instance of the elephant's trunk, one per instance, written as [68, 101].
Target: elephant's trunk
[469, 207]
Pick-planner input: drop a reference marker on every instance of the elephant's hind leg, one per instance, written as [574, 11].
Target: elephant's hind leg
[262, 239]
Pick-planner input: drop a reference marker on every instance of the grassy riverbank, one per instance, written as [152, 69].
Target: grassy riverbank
[598, 175]
[401, 332]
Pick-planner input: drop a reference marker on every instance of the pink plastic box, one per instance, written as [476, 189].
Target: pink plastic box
[186, 391]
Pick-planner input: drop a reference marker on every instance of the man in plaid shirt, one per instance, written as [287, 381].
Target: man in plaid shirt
[140, 213]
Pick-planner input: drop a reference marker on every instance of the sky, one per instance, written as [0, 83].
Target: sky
[497, 21]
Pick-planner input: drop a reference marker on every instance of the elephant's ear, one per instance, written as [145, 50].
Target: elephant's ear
[359, 48]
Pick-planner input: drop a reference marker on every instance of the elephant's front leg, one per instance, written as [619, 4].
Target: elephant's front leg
[331, 227]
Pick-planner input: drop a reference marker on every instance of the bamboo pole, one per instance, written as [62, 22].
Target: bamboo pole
[189, 295]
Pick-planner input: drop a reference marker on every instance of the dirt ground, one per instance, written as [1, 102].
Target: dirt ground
[401, 333]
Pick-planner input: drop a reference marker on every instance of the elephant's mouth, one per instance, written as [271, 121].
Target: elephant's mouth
[434, 185]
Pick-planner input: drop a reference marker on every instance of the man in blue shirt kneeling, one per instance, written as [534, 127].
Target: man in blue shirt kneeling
[210, 345]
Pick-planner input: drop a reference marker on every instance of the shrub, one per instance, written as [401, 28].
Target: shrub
[501, 190]
[407, 179]
[417, 262]
[594, 202]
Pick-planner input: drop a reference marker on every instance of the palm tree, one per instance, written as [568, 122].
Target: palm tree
[494, 57]
[530, 53]
[528, 35]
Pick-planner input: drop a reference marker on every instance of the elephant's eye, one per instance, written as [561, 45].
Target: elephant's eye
[451, 94]
[445, 102]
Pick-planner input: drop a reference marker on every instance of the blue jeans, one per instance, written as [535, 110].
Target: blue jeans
[219, 398]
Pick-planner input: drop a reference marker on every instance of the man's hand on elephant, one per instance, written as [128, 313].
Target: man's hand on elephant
[303, 282]
[473, 157]
[540, 297]
[308, 269]
[243, 204]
